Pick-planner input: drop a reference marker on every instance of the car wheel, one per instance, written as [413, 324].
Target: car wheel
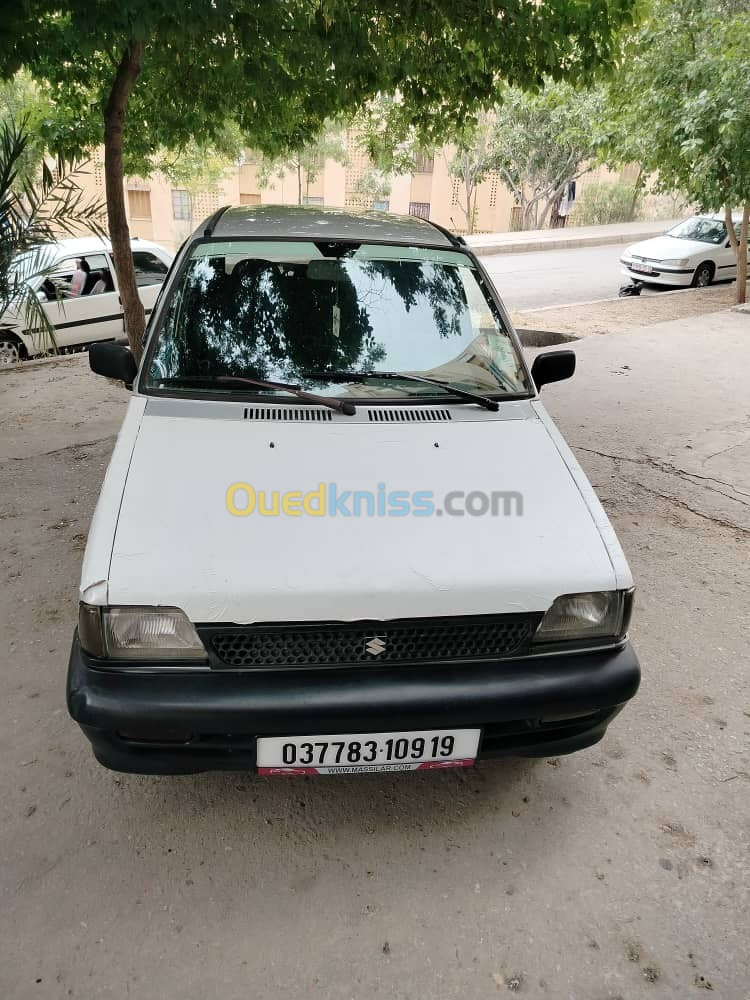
[704, 274]
[11, 350]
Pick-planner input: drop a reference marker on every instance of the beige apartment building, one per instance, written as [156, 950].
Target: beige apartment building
[167, 215]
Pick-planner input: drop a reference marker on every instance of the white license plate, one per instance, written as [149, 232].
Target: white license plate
[642, 268]
[360, 753]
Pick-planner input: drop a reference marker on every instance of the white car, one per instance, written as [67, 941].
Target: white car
[694, 252]
[339, 531]
[89, 310]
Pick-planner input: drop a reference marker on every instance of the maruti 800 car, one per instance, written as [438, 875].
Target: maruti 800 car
[339, 531]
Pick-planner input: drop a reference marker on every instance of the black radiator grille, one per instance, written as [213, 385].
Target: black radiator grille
[401, 641]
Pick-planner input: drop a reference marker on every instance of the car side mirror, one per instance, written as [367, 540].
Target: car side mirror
[113, 361]
[554, 366]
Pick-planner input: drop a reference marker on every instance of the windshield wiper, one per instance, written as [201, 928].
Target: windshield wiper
[341, 405]
[470, 397]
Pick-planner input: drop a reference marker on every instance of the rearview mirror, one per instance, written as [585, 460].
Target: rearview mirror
[113, 361]
[326, 270]
[554, 366]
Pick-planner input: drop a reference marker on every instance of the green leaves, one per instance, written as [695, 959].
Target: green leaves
[35, 214]
[281, 70]
[681, 105]
[542, 141]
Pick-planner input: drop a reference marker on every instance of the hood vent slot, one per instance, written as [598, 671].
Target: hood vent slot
[407, 415]
[304, 413]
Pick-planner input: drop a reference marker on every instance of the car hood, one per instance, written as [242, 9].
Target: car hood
[176, 543]
[668, 248]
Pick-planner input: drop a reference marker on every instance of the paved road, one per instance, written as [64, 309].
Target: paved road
[555, 277]
[618, 872]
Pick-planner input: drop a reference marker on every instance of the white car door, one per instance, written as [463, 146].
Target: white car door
[94, 314]
[725, 260]
[733, 272]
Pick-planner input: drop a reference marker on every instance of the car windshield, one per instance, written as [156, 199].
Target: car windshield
[304, 313]
[702, 229]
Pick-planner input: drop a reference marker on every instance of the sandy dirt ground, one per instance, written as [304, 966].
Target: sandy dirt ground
[617, 315]
[619, 872]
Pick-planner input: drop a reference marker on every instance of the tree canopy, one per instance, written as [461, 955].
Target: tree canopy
[682, 102]
[307, 161]
[537, 141]
[22, 99]
[282, 69]
[542, 141]
[180, 71]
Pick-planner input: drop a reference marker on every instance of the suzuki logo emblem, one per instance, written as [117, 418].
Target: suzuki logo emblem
[375, 646]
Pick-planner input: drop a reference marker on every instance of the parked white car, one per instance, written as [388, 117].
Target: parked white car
[694, 252]
[83, 307]
[339, 531]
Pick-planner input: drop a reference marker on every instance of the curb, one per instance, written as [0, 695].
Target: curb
[544, 338]
[596, 302]
[493, 249]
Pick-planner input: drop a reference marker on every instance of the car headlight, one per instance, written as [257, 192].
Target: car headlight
[677, 261]
[132, 633]
[603, 614]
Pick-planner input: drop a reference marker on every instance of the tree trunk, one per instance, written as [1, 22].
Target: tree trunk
[550, 204]
[299, 183]
[742, 256]
[119, 233]
[636, 193]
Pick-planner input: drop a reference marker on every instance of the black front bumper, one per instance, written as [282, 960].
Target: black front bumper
[209, 721]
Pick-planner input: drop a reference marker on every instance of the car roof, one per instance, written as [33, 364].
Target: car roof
[95, 244]
[317, 223]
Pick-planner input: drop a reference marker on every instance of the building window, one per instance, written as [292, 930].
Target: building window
[420, 208]
[139, 203]
[181, 206]
[423, 163]
[205, 203]
[312, 200]
[381, 206]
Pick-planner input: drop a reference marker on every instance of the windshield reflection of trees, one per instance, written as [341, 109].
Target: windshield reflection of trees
[271, 321]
